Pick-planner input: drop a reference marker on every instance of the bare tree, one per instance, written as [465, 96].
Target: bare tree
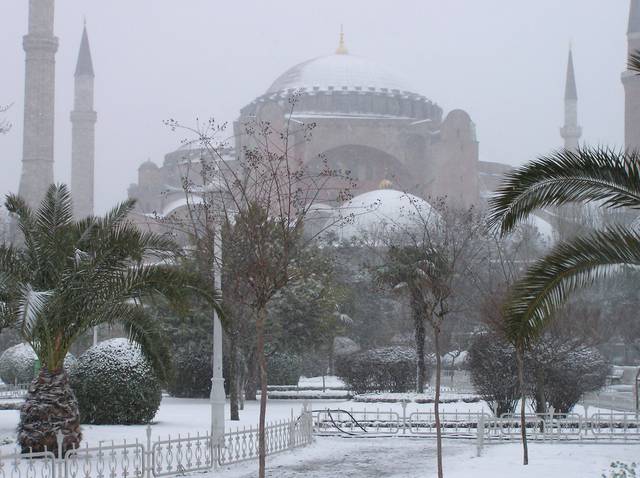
[264, 197]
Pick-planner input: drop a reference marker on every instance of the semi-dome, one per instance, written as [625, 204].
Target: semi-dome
[340, 71]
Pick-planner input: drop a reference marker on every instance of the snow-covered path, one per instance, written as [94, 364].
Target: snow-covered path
[331, 457]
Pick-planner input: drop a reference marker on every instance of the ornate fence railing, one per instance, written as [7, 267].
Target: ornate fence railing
[600, 427]
[162, 457]
[13, 391]
[242, 445]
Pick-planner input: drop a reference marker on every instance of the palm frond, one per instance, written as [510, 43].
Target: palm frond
[568, 267]
[31, 307]
[565, 177]
[146, 332]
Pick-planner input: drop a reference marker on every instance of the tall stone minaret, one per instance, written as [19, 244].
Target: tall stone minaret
[571, 131]
[631, 82]
[40, 46]
[83, 121]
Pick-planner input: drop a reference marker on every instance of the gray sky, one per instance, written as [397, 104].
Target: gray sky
[503, 61]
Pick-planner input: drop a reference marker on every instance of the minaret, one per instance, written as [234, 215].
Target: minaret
[571, 131]
[40, 46]
[83, 121]
[631, 82]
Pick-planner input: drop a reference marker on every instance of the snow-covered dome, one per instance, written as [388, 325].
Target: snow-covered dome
[340, 72]
[383, 210]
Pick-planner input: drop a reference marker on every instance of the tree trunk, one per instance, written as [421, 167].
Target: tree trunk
[233, 377]
[262, 365]
[541, 399]
[436, 403]
[422, 369]
[50, 406]
[523, 403]
[251, 385]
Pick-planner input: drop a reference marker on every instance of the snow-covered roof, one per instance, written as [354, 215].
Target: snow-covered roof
[340, 72]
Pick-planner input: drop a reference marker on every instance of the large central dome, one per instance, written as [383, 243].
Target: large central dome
[340, 71]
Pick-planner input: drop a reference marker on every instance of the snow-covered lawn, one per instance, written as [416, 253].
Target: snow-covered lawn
[412, 458]
[181, 415]
[392, 457]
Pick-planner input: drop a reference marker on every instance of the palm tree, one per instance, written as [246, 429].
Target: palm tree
[604, 176]
[67, 277]
[403, 273]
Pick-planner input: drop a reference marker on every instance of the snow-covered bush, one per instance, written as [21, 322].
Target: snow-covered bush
[115, 384]
[569, 370]
[18, 364]
[283, 369]
[621, 470]
[385, 369]
[494, 374]
[192, 371]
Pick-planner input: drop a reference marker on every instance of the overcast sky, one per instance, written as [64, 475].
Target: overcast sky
[503, 61]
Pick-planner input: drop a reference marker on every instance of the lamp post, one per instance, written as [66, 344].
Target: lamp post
[217, 396]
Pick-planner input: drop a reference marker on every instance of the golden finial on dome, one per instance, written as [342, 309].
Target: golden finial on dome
[342, 50]
[385, 184]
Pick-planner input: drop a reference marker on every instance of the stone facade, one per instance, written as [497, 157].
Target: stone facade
[631, 82]
[40, 46]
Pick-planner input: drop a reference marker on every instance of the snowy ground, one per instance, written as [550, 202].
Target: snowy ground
[412, 458]
[392, 457]
[181, 415]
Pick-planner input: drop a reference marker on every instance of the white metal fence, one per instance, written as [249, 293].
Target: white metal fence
[163, 457]
[13, 391]
[600, 427]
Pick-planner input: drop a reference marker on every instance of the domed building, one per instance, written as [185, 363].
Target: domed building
[372, 122]
[367, 120]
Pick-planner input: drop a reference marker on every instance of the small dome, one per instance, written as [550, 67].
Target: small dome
[339, 72]
[384, 209]
[148, 164]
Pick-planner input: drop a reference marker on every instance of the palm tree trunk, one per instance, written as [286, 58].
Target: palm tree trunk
[436, 404]
[523, 403]
[262, 365]
[50, 407]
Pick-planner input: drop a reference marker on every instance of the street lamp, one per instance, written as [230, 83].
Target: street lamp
[217, 396]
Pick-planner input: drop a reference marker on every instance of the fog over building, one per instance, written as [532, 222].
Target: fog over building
[369, 120]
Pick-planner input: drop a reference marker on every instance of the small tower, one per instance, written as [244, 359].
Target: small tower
[631, 82]
[571, 131]
[40, 46]
[83, 121]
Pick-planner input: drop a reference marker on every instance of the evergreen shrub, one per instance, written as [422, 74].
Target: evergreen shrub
[18, 364]
[385, 369]
[192, 371]
[283, 369]
[115, 385]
